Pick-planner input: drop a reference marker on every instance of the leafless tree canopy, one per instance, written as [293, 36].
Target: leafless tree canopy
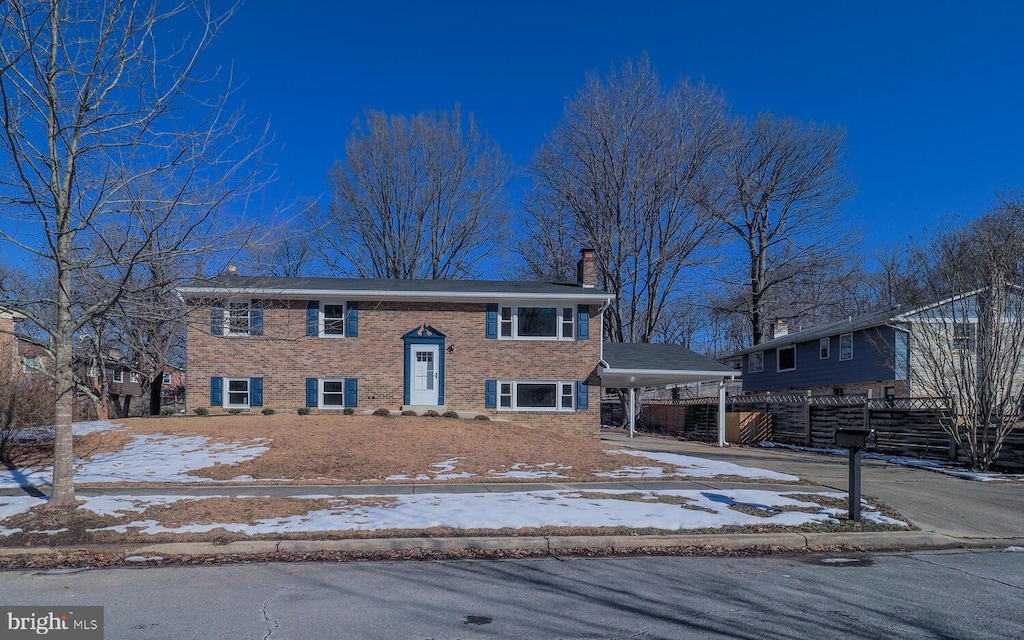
[112, 156]
[623, 173]
[415, 197]
[783, 184]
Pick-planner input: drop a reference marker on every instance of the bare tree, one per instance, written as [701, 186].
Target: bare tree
[969, 346]
[783, 186]
[417, 197]
[285, 251]
[623, 173]
[107, 145]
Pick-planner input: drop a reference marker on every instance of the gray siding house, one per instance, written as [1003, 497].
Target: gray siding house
[869, 352]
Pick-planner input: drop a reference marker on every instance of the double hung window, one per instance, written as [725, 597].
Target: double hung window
[537, 323]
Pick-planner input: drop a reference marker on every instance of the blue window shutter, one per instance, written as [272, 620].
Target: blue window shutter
[312, 389]
[216, 392]
[217, 321]
[492, 321]
[255, 392]
[256, 322]
[352, 319]
[583, 320]
[582, 396]
[313, 318]
[351, 392]
[491, 395]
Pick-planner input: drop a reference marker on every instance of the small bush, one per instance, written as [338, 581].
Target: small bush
[167, 411]
[430, 413]
[482, 417]
[303, 411]
[409, 412]
[268, 412]
[202, 411]
[348, 411]
[450, 414]
[382, 412]
[234, 412]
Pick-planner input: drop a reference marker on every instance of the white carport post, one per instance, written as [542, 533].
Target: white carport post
[632, 411]
[721, 412]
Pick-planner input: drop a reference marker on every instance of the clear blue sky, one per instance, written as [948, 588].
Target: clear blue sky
[930, 92]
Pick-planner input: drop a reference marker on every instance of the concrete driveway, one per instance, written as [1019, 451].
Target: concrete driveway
[934, 502]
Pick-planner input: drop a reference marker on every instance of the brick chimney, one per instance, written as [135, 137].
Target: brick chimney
[586, 269]
[780, 328]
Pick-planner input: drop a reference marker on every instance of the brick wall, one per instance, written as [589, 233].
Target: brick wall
[285, 357]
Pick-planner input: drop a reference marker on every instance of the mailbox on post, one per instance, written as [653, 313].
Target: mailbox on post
[855, 440]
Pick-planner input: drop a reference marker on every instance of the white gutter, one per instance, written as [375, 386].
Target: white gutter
[375, 294]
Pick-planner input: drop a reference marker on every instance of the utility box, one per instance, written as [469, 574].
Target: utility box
[745, 427]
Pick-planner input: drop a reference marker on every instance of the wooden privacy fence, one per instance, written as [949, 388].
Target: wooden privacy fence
[903, 426]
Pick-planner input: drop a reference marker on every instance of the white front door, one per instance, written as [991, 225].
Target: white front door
[423, 367]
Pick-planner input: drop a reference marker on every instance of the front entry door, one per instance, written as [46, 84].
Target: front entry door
[423, 367]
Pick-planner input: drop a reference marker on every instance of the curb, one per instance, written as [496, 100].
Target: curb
[555, 545]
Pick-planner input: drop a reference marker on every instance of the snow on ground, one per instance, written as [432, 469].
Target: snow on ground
[948, 468]
[146, 458]
[684, 466]
[516, 510]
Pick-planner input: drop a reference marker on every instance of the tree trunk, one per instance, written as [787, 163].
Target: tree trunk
[63, 496]
[155, 392]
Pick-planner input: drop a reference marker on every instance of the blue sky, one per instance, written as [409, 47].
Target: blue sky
[930, 93]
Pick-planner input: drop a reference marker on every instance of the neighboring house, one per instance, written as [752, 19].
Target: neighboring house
[522, 351]
[852, 356]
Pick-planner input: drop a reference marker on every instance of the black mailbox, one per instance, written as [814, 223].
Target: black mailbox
[853, 438]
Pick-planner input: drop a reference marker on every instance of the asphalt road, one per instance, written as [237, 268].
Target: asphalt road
[918, 595]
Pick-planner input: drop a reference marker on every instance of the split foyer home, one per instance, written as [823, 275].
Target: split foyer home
[524, 351]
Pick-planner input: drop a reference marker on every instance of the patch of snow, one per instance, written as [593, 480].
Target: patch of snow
[149, 458]
[533, 471]
[527, 509]
[684, 466]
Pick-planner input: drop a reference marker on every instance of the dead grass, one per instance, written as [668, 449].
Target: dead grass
[354, 449]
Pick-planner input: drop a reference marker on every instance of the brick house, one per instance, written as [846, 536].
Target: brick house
[522, 351]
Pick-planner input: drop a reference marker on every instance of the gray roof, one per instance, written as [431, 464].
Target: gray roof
[659, 357]
[267, 285]
[866, 321]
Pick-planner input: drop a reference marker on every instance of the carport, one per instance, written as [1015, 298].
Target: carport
[632, 365]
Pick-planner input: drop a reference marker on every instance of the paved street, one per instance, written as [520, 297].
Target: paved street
[960, 594]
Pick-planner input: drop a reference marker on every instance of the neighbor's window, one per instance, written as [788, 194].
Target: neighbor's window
[963, 336]
[755, 362]
[119, 375]
[167, 378]
[237, 396]
[889, 393]
[536, 395]
[538, 323]
[824, 346]
[133, 377]
[846, 346]
[332, 319]
[787, 358]
[238, 318]
[332, 394]
[30, 363]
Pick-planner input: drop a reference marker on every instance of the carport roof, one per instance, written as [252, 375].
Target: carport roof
[641, 365]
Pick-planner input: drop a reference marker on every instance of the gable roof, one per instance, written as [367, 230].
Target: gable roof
[652, 364]
[858, 323]
[372, 288]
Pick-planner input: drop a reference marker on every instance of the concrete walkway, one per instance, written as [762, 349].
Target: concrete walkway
[950, 512]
